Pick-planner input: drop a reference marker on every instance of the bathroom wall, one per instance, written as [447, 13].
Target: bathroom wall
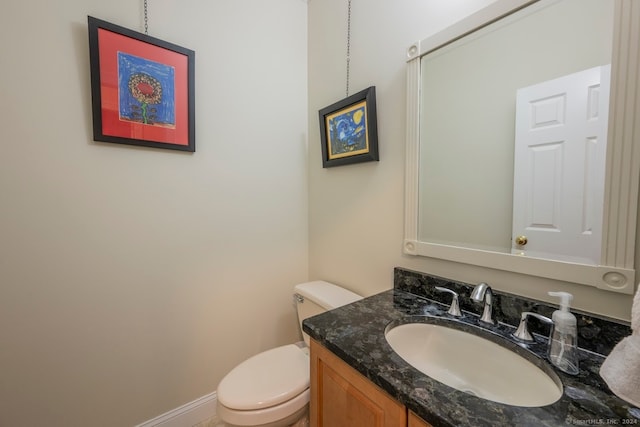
[356, 212]
[133, 279]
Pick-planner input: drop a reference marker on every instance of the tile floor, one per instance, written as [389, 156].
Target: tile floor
[211, 422]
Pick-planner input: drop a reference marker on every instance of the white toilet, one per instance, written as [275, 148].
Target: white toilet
[271, 389]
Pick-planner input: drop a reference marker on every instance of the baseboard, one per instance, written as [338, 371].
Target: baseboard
[187, 415]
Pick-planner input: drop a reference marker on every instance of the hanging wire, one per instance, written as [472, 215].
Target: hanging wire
[146, 18]
[348, 44]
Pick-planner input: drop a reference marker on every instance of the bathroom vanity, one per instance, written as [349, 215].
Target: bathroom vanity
[357, 379]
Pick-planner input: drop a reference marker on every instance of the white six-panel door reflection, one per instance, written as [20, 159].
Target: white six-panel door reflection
[559, 166]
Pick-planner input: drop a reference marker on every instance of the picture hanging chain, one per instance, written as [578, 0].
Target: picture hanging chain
[146, 18]
[348, 43]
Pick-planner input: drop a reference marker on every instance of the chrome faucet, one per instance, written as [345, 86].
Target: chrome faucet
[482, 292]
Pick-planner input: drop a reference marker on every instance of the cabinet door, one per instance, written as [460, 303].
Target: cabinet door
[342, 397]
[416, 421]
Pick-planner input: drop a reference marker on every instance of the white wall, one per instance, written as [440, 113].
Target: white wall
[356, 212]
[131, 279]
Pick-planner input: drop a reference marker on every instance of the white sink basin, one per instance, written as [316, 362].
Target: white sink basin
[474, 365]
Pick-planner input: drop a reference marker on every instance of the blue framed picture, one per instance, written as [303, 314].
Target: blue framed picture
[348, 130]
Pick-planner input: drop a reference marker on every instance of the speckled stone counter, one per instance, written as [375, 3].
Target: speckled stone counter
[356, 334]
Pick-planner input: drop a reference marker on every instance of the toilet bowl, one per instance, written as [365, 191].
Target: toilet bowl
[267, 389]
[271, 389]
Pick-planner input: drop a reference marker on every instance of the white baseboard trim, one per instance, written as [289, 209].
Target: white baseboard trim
[186, 415]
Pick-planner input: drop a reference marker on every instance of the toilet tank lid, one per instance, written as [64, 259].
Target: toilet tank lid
[325, 294]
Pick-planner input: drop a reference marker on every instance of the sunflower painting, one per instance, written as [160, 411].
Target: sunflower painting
[142, 88]
[146, 91]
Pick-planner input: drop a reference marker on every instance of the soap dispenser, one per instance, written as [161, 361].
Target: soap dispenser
[563, 351]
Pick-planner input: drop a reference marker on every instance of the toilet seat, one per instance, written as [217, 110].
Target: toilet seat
[266, 379]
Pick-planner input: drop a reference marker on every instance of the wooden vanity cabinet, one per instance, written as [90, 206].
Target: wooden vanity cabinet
[342, 397]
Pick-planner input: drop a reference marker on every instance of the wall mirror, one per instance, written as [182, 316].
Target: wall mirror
[520, 130]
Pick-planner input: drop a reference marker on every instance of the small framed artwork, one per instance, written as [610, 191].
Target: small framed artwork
[348, 130]
[142, 89]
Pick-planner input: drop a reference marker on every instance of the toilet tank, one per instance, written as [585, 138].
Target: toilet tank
[317, 297]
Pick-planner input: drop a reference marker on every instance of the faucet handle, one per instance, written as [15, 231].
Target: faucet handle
[454, 309]
[522, 333]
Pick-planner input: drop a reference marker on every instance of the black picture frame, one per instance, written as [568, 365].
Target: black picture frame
[349, 130]
[142, 88]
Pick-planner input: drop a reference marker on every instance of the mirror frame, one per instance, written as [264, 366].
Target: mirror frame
[616, 271]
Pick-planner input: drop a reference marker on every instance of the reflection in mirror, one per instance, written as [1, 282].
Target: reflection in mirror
[519, 152]
[470, 90]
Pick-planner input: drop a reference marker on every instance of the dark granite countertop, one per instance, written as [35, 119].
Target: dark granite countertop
[356, 334]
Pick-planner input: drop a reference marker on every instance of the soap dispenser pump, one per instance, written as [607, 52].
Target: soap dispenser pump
[563, 351]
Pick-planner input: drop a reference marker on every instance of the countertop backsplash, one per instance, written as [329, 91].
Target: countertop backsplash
[595, 333]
